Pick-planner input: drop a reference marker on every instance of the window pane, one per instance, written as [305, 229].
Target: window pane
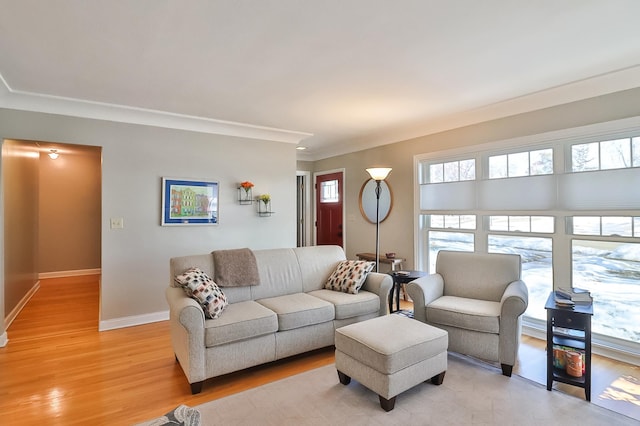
[584, 157]
[586, 225]
[436, 173]
[635, 149]
[519, 223]
[468, 221]
[616, 225]
[541, 162]
[499, 223]
[329, 191]
[468, 170]
[452, 221]
[615, 154]
[451, 172]
[537, 270]
[498, 167]
[636, 226]
[437, 221]
[611, 272]
[542, 224]
[438, 240]
[519, 164]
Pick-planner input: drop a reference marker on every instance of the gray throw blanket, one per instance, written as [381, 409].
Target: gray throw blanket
[234, 268]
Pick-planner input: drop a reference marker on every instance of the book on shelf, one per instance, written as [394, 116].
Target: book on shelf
[576, 295]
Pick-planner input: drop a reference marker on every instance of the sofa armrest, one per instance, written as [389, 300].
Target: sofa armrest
[186, 321]
[379, 284]
[423, 291]
[184, 309]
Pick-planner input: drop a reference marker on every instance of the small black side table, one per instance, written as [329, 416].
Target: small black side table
[568, 327]
[399, 278]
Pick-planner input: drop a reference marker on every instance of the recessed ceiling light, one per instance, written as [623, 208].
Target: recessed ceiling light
[301, 148]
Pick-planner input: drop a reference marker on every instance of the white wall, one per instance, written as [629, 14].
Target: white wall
[135, 269]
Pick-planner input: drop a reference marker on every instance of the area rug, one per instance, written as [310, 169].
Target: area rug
[473, 393]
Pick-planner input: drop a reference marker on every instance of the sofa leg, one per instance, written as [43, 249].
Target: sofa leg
[344, 379]
[387, 404]
[438, 378]
[506, 370]
[196, 387]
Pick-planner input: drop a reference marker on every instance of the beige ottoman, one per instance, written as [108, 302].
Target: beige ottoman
[390, 355]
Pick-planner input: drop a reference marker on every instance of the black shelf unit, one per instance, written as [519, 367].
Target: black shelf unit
[569, 327]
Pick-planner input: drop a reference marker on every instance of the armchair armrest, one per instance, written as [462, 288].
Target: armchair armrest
[514, 300]
[379, 284]
[423, 291]
[513, 304]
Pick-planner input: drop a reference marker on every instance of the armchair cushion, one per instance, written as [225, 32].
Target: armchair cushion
[470, 314]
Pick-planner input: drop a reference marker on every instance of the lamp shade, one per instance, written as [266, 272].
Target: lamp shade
[379, 173]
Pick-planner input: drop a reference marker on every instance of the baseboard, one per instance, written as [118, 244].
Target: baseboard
[133, 320]
[15, 311]
[74, 273]
[3, 340]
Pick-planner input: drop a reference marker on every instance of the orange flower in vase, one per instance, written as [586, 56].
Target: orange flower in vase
[246, 185]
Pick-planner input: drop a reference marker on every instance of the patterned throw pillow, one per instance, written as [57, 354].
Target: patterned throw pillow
[349, 276]
[199, 286]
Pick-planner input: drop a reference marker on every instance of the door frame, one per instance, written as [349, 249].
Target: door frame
[306, 202]
[344, 204]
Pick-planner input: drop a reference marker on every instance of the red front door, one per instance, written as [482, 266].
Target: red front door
[329, 196]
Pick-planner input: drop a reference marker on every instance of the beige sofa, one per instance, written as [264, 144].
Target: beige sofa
[479, 300]
[287, 313]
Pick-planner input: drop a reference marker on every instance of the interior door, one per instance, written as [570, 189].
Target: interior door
[329, 203]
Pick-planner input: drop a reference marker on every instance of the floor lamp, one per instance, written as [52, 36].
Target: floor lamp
[378, 174]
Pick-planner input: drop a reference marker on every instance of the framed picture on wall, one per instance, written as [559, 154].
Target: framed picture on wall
[189, 202]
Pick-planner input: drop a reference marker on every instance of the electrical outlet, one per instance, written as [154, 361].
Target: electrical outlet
[117, 223]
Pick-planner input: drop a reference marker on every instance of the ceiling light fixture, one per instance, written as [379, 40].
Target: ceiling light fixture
[301, 148]
[53, 154]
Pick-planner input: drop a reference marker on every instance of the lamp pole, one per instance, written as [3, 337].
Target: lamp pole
[378, 174]
[378, 190]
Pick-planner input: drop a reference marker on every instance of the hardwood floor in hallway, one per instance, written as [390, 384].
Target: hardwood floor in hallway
[57, 369]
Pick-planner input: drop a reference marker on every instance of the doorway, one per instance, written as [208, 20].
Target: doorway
[60, 205]
[329, 197]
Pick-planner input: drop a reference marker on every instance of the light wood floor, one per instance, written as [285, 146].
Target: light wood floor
[57, 369]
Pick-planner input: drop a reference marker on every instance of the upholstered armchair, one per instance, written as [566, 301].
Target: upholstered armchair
[479, 299]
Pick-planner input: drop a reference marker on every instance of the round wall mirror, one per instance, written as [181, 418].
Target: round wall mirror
[368, 200]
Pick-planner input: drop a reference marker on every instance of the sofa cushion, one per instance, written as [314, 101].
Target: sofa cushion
[240, 321]
[350, 305]
[349, 276]
[199, 286]
[299, 310]
[470, 314]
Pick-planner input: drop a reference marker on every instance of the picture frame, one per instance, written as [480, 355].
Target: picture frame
[189, 202]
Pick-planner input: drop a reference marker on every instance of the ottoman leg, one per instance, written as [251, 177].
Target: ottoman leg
[387, 404]
[344, 379]
[438, 378]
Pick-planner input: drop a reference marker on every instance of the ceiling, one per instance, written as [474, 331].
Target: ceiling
[335, 76]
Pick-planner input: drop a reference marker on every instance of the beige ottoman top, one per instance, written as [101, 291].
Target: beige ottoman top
[391, 342]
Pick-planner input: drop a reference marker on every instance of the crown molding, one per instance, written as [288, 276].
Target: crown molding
[26, 101]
